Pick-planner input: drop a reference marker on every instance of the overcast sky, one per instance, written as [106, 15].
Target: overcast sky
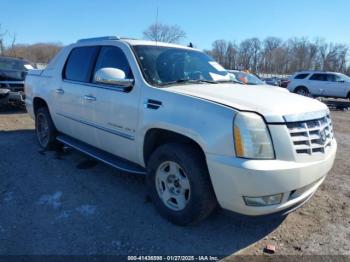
[66, 21]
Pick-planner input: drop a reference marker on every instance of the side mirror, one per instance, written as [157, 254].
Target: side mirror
[112, 76]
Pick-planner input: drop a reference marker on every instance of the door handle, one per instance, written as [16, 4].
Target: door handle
[59, 91]
[90, 98]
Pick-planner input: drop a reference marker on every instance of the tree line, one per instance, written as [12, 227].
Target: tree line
[35, 53]
[271, 55]
[275, 56]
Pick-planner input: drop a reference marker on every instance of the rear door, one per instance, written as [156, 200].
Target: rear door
[72, 108]
[317, 84]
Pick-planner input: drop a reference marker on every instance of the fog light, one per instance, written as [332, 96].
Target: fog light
[263, 201]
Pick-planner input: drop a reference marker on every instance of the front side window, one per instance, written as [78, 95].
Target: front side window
[332, 78]
[336, 78]
[167, 65]
[113, 57]
[80, 63]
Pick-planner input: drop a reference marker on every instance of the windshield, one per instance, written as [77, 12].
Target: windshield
[167, 65]
[14, 64]
[248, 79]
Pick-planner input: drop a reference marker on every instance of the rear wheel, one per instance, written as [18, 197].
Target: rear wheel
[303, 91]
[179, 184]
[45, 129]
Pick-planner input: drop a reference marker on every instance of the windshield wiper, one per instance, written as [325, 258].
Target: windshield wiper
[230, 81]
[190, 81]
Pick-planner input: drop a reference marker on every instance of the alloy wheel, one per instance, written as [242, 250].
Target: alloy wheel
[173, 186]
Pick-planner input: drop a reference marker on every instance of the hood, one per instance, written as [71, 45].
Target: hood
[276, 104]
[12, 75]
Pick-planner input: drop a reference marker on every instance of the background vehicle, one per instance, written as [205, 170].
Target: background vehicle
[12, 74]
[246, 78]
[274, 81]
[320, 84]
[285, 82]
[173, 114]
[250, 79]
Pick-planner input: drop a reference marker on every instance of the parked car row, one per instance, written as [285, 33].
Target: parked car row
[306, 83]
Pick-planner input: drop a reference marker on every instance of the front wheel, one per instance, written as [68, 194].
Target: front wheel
[179, 184]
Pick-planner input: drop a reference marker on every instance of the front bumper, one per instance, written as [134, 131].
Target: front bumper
[233, 178]
[13, 97]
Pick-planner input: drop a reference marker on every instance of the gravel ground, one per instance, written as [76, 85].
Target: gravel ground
[64, 203]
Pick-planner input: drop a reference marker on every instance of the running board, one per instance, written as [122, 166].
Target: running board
[105, 157]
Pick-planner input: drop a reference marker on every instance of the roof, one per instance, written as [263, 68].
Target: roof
[315, 71]
[133, 42]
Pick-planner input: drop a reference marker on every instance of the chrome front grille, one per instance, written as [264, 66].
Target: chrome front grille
[312, 136]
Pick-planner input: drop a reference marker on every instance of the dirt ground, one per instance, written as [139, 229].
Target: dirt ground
[64, 203]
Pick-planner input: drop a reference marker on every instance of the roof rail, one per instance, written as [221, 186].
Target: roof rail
[98, 39]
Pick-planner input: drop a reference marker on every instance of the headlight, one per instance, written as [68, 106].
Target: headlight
[252, 138]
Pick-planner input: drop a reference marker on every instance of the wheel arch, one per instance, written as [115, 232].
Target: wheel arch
[156, 137]
[301, 87]
[39, 102]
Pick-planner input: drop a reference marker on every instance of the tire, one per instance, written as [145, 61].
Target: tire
[45, 129]
[302, 91]
[197, 198]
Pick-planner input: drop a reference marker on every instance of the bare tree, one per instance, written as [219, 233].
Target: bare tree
[245, 54]
[269, 44]
[2, 44]
[11, 50]
[219, 51]
[164, 33]
[231, 56]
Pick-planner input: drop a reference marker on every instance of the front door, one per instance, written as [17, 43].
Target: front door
[336, 86]
[115, 108]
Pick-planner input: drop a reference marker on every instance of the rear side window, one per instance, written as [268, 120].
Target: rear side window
[114, 57]
[319, 77]
[80, 63]
[333, 78]
[301, 76]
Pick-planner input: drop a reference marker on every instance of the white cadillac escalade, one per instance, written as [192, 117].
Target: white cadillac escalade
[173, 114]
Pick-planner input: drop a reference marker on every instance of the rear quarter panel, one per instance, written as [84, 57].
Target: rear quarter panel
[41, 83]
